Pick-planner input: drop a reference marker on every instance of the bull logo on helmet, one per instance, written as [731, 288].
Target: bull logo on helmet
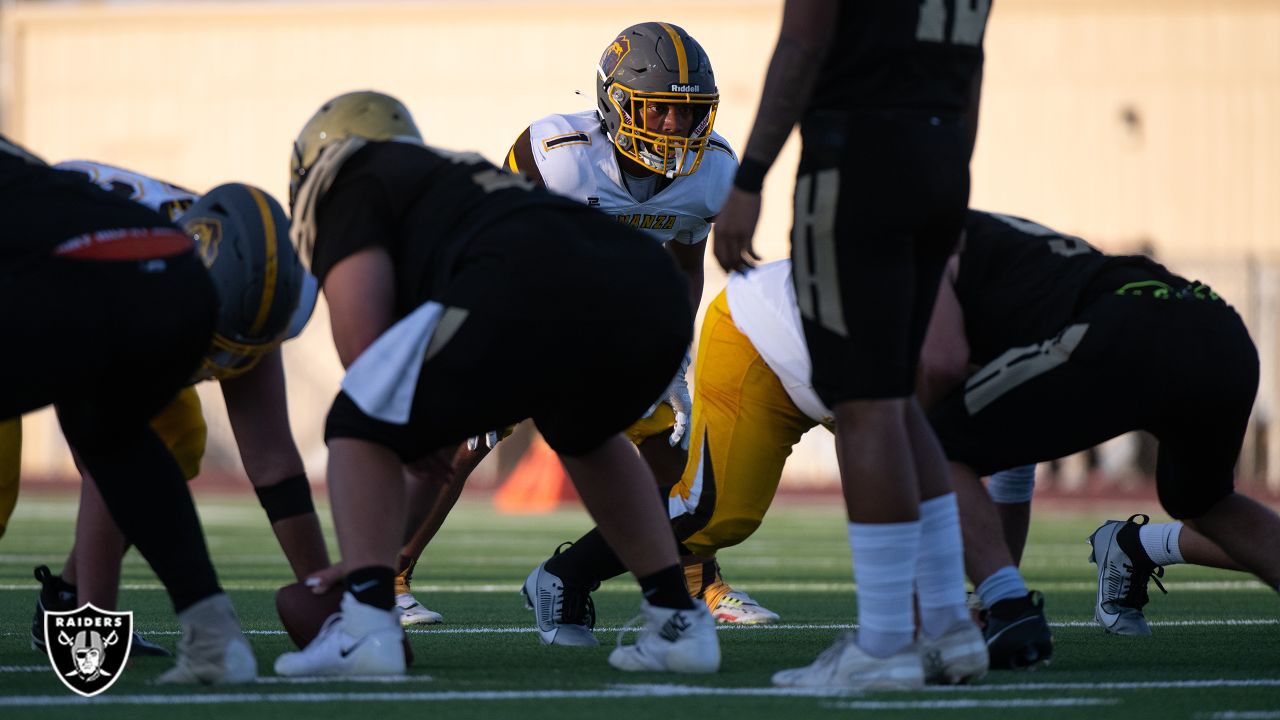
[89, 647]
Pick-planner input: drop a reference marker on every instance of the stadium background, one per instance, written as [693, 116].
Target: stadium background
[1137, 124]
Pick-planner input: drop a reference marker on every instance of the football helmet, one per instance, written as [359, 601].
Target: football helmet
[656, 63]
[242, 235]
[365, 113]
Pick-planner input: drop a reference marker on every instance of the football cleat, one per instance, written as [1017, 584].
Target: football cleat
[1018, 634]
[563, 615]
[1123, 572]
[955, 657]
[846, 666]
[413, 612]
[57, 595]
[213, 649]
[359, 641]
[737, 608]
[671, 640]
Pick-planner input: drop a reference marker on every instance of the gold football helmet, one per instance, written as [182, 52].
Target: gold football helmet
[365, 113]
[651, 64]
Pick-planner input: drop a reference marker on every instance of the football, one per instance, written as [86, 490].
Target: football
[303, 612]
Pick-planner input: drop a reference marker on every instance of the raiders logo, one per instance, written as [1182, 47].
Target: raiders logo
[88, 647]
[207, 233]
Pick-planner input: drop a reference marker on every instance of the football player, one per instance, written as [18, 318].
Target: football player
[648, 156]
[99, 273]
[885, 93]
[439, 268]
[1111, 344]
[241, 234]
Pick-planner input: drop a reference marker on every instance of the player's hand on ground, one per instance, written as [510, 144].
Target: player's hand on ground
[734, 228]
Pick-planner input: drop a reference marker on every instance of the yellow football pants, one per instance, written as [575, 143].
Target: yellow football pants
[180, 426]
[10, 467]
[743, 429]
[663, 420]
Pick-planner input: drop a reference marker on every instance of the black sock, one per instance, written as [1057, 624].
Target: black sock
[666, 588]
[586, 563]
[374, 585]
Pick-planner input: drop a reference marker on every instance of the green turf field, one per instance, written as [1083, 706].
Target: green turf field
[1215, 653]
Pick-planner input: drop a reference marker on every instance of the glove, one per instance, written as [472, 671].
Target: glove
[678, 397]
[490, 439]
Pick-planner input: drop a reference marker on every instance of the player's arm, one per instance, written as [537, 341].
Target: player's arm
[689, 258]
[944, 359]
[360, 291]
[259, 416]
[520, 159]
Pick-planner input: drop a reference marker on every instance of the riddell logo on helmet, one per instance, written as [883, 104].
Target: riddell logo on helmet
[685, 88]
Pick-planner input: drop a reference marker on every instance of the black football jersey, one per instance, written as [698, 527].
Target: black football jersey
[421, 204]
[903, 54]
[41, 207]
[1020, 282]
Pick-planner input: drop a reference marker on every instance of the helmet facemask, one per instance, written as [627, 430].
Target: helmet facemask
[669, 155]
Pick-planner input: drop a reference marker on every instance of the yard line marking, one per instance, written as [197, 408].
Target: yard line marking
[629, 587]
[967, 704]
[380, 679]
[1242, 715]
[622, 691]
[25, 668]
[520, 629]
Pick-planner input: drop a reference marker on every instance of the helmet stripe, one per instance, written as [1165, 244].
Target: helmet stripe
[681, 58]
[269, 281]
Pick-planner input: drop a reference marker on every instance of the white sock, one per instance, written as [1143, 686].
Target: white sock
[884, 568]
[1160, 540]
[1004, 584]
[940, 566]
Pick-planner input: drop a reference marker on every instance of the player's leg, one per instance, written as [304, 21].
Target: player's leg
[744, 427]
[431, 497]
[10, 468]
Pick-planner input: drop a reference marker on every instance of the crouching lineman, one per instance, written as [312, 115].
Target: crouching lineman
[649, 157]
[241, 233]
[1077, 347]
[94, 272]
[438, 269]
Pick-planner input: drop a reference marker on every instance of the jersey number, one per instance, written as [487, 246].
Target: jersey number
[966, 26]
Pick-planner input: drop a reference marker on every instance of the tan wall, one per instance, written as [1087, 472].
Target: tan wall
[205, 93]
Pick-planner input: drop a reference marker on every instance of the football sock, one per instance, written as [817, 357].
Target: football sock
[884, 568]
[940, 566]
[1004, 584]
[1160, 540]
[373, 585]
[586, 563]
[666, 588]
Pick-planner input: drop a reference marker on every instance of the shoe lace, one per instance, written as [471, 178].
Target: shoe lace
[577, 607]
[1139, 574]
[634, 624]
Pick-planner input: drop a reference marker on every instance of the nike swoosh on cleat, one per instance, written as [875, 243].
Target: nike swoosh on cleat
[344, 652]
[363, 586]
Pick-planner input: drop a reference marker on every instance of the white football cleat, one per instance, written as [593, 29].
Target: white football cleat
[845, 666]
[671, 641]
[413, 612]
[213, 649]
[957, 656]
[563, 617]
[737, 608]
[359, 641]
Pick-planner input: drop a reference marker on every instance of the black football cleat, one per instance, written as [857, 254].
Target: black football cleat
[1017, 633]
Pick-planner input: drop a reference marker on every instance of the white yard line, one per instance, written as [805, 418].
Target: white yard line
[644, 691]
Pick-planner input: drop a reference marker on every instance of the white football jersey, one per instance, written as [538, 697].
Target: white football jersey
[171, 201]
[168, 200]
[576, 159]
[763, 306]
